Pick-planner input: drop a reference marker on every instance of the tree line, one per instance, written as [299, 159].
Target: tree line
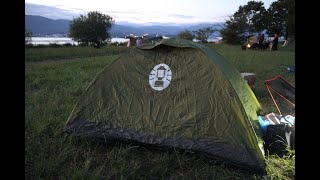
[252, 18]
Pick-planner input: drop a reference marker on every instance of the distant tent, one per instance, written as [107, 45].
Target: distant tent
[175, 93]
[252, 42]
[254, 39]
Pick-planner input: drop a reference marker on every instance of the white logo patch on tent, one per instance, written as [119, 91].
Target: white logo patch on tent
[160, 77]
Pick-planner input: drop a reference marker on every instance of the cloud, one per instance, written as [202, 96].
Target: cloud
[127, 12]
[52, 12]
[151, 17]
[222, 18]
[182, 16]
[58, 13]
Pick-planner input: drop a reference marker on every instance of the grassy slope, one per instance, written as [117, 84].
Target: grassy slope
[54, 53]
[52, 89]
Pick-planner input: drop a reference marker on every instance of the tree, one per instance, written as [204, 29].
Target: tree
[235, 30]
[92, 29]
[203, 34]
[255, 15]
[186, 35]
[249, 19]
[282, 18]
[27, 35]
[291, 19]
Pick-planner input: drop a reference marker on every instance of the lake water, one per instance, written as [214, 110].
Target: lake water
[65, 40]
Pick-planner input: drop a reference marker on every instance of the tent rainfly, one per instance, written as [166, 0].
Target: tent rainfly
[175, 93]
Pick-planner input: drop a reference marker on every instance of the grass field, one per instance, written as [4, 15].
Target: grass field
[56, 77]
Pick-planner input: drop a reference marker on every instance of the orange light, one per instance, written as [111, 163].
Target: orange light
[248, 46]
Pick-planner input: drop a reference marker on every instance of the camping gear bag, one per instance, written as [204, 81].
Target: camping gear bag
[278, 138]
[278, 132]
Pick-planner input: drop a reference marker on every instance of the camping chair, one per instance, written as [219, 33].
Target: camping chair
[282, 94]
[280, 134]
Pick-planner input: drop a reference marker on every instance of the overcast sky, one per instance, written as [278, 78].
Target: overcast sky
[141, 11]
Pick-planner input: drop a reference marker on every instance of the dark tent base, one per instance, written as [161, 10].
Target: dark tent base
[221, 153]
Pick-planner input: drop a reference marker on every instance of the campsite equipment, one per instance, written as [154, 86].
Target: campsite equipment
[282, 94]
[175, 93]
[252, 42]
[273, 119]
[264, 123]
[250, 79]
[278, 138]
[290, 69]
[278, 132]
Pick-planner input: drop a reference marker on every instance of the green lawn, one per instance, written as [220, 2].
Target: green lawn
[56, 77]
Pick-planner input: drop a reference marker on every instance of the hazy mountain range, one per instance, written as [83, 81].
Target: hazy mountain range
[41, 26]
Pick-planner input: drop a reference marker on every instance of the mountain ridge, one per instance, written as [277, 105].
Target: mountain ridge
[42, 26]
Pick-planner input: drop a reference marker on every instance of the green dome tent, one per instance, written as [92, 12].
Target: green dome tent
[175, 93]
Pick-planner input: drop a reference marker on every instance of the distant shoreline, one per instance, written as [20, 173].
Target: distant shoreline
[65, 40]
